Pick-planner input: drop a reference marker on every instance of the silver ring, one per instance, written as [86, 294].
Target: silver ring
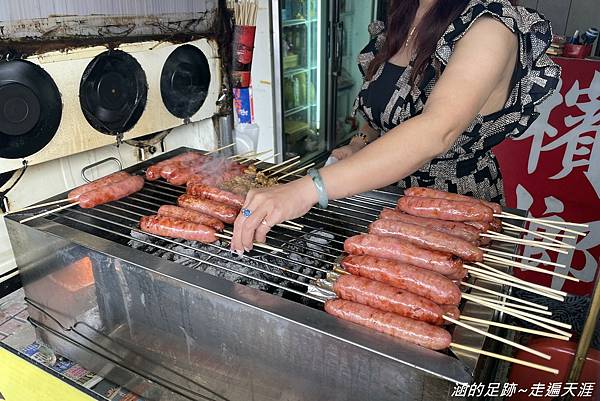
[246, 212]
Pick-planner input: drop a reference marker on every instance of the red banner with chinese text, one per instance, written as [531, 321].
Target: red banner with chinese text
[553, 171]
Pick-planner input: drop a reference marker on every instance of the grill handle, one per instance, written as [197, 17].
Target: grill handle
[96, 164]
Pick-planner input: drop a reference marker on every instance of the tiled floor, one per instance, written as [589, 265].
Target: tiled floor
[14, 328]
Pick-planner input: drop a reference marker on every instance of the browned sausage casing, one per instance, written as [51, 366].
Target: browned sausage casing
[454, 228]
[215, 194]
[109, 179]
[153, 172]
[392, 248]
[413, 331]
[434, 193]
[451, 311]
[427, 238]
[111, 192]
[191, 215]
[445, 209]
[225, 213]
[425, 283]
[176, 228]
[387, 298]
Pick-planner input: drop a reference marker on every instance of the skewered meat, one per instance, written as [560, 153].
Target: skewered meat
[176, 228]
[427, 238]
[445, 209]
[215, 194]
[416, 332]
[111, 192]
[454, 228]
[225, 213]
[425, 283]
[392, 248]
[153, 172]
[387, 298]
[191, 215]
[109, 179]
[434, 193]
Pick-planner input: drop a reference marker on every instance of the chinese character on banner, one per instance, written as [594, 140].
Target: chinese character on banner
[460, 390]
[553, 171]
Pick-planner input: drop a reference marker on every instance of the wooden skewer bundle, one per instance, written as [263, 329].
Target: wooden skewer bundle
[245, 12]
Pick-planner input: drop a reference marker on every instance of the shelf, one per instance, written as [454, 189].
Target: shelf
[294, 71]
[295, 22]
[297, 110]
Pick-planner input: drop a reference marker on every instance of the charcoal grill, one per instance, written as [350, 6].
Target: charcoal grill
[178, 320]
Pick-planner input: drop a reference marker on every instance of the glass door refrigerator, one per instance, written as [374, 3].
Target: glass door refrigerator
[315, 45]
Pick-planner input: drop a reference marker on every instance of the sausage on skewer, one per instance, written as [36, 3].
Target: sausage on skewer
[225, 213]
[445, 209]
[191, 215]
[109, 179]
[416, 332]
[425, 283]
[387, 298]
[434, 193]
[153, 172]
[427, 238]
[111, 192]
[177, 228]
[392, 248]
[215, 194]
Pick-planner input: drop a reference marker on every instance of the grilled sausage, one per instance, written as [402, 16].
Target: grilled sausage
[111, 192]
[434, 193]
[425, 283]
[427, 238]
[392, 248]
[387, 298]
[153, 172]
[191, 215]
[109, 179]
[215, 194]
[451, 311]
[454, 228]
[413, 331]
[225, 213]
[176, 228]
[445, 209]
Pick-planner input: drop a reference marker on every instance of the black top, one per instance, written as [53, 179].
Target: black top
[469, 167]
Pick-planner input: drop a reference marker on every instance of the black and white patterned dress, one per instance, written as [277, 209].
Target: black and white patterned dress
[469, 167]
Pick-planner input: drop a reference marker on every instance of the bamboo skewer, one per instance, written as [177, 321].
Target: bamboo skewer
[240, 156]
[489, 269]
[554, 224]
[553, 245]
[263, 161]
[539, 220]
[512, 305]
[47, 212]
[514, 328]
[280, 164]
[524, 266]
[505, 358]
[295, 224]
[487, 290]
[544, 235]
[289, 226]
[274, 173]
[256, 244]
[255, 156]
[506, 238]
[498, 338]
[296, 171]
[32, 207]
[220, 149]
[515, 255]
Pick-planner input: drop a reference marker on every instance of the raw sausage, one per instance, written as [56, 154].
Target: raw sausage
[91, 186]
[225, 213]
[445, 209]
[177, 228]
[111, 192]
[191, 215]
[450, 311]
[434, 193]
[454, 228]
[387, 298]
[153, 172]
[392, 248]
[425, 283]
[215, 194]
[420, 333]
[427, 238]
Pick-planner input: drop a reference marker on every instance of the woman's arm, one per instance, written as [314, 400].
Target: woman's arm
[479, 69]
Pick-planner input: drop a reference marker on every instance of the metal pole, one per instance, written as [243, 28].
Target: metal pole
[586, 338]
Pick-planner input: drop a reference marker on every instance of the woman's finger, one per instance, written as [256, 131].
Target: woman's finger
[250, 225]
[262, 230]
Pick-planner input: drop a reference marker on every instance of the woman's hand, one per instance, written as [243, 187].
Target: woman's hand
[271, 206]
[346, 151]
